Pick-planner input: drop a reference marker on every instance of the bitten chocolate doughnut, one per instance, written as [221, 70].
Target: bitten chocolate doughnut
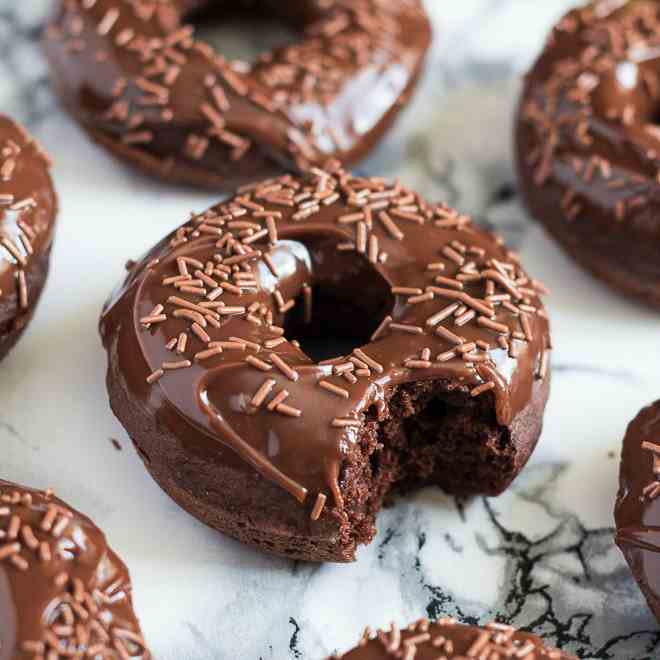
[589, 142]
[28, 206]
[448, 639]
[446, 384]
[63, 592]
[637, 506]
[139, 82]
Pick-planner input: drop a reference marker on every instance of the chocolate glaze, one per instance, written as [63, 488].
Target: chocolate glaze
[589, 141]
[28, 206]
[447, 639]
[637, 507]
[63, 592]
[135, 77]
[460, 309]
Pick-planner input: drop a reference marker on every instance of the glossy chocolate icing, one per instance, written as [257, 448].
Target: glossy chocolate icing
[637, 507]
[28, 206]
[63, 592]
[446, 639]
[133, 74]
[460, 309]
[589, 141]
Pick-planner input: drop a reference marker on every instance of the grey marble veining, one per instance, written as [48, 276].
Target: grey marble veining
[542, 556]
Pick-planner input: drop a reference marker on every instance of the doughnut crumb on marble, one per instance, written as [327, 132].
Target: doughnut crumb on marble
[637, 509]
[28, 207]
[588, 145]
[446, 639]
[140, 83]
[63, 591]
[446, 383]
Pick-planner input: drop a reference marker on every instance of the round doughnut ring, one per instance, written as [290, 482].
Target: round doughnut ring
[133, 74]
[446, 385]
[589, 142]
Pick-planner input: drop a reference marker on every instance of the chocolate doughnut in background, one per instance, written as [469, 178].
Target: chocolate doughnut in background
[63, 592]
[588, 142]
[255, 437]
[638, 507]
[134, 76]
[28, 207]
[446, 639]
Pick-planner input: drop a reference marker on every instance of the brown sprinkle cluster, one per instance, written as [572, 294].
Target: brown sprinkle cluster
[561, 113]
[16, 249]
[495, 641]
[313, 71]
[36, 531]
[465, 288]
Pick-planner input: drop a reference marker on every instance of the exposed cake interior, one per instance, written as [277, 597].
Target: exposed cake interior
[427, 433]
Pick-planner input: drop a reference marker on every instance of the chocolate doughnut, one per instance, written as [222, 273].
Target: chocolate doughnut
[28, 206]
[637, 506]
[447, 639]
[588, 142]
[140, 84]
[63, 592]
[258, 439]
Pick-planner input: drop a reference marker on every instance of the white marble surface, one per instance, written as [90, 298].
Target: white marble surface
[541, 556]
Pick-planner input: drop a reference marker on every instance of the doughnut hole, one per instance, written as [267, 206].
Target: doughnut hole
[243, 30]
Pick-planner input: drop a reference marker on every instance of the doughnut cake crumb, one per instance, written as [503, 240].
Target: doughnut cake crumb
[445, 381]
[143, 86]
[447, 639]
[63, 592]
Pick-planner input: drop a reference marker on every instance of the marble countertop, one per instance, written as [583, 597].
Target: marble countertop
[541, 556]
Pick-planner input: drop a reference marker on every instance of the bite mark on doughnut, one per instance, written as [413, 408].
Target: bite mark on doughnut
[442, 378]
